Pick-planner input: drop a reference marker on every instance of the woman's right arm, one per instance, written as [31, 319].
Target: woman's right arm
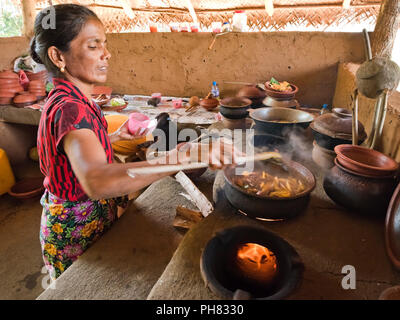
[101, 180]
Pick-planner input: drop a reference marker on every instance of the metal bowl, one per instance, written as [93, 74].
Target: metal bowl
[280, 121]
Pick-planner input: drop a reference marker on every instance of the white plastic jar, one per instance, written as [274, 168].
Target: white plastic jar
[239, 21]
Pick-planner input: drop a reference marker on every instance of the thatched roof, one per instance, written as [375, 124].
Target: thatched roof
[320, 14]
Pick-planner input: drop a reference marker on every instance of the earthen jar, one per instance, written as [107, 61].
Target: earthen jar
[364, 194]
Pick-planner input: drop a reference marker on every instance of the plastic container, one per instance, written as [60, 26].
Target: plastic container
[239, 21]
[138, 123]
[7, 179]
[215, 90]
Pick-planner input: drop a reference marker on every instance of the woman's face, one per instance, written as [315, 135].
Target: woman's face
[87, 59]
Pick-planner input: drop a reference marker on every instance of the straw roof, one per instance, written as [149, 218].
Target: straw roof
[318, 14]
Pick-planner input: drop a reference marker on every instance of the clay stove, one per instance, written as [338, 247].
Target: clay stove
[250, 263]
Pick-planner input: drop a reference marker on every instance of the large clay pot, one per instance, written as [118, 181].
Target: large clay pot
[334, 128]
[364, 194]
[253, 93]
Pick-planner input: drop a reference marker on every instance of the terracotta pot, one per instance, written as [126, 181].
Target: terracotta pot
[24, 100]
[209, 104]
[363, 194]
[281, 94]
[253, 93]
[8, 74]
[5, 101]
[27, 188]
[334, 128]
[8, 81]
[7, 93]
[97, 90]
[365, 161]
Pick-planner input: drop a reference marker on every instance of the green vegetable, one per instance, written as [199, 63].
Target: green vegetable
[115, 102]
[273, 80]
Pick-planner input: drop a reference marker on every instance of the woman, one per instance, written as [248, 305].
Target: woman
[84, 188]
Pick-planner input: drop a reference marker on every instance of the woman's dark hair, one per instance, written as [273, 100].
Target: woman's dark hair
[69, 20]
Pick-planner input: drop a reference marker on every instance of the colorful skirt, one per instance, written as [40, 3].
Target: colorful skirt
[69, 228]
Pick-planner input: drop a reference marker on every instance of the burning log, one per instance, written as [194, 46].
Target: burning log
[257, 263]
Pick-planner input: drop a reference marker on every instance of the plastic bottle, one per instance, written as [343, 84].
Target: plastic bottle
[325, 109]
[215, 90]
[239, 21]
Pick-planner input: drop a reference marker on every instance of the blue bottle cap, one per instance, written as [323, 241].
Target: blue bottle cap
[214, 83]
[325, 106]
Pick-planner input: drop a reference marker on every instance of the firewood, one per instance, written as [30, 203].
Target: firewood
[198, 197]
[188, 214]
[182, 224]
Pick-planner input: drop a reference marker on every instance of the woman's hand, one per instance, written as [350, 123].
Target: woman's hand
[217, 154]
[122, 133]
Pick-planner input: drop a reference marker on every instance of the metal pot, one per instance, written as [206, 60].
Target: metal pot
[266, 207]
[280, 121]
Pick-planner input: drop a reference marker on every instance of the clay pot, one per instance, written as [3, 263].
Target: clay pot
[367, 195]
[334, 128]
[98, 90]
[7, 93]
[8, 82]
[27, 189]
[323, 157]
[8, 74]
[209, 104]
[38, 76]
[283, 95]
[253, 93]
[5, 101]
[23, 100]
[235, 108]
[365, 161]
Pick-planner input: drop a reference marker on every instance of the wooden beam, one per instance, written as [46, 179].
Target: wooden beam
[29, 14]
[368, 4]
[387, 24]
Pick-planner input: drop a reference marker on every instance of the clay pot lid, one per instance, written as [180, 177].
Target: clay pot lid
[337, 124]
[365, 161]
[392, 229]
[251, 91]
[8, 74]
[235, 102]
[24, 98]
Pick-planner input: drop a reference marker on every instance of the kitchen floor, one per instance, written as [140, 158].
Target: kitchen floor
[21, 260]
[20, 254]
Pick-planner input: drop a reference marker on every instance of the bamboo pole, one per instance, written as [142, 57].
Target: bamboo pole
[386, 27]
[29, 14]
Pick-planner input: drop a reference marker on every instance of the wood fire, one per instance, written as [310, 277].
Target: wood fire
[257, 262]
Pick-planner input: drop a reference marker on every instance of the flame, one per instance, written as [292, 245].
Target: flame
[256, 254]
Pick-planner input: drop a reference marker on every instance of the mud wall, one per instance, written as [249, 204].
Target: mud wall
[181, 64]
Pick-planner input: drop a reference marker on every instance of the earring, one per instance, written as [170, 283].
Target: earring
[62, 69]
